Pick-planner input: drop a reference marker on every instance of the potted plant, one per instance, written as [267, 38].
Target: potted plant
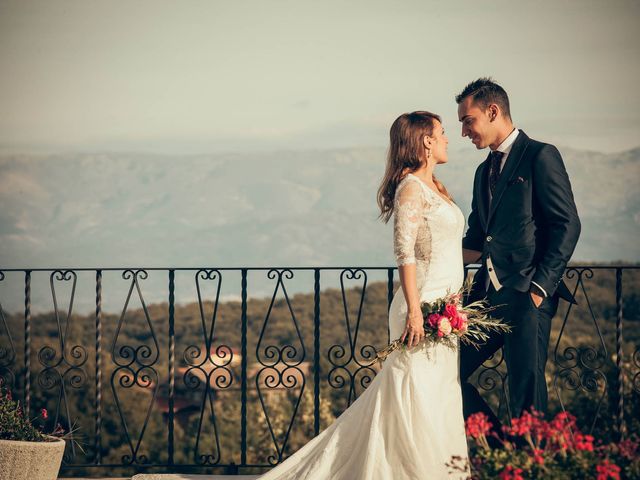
[26, 453]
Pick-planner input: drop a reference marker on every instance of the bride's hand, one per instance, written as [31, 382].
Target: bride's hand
[414, 329]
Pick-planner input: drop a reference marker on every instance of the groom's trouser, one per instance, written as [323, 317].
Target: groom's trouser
[525, 353]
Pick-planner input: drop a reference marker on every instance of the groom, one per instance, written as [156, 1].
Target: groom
[523, 228]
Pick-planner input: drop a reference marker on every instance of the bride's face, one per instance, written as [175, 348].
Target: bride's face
[438, 142]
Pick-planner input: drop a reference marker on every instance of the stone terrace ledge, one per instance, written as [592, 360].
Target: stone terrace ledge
[170, 476]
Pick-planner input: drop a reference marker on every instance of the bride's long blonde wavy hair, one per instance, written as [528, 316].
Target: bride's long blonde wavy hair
[406, 155]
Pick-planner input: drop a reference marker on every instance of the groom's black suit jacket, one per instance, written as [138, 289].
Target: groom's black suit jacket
[531, 227]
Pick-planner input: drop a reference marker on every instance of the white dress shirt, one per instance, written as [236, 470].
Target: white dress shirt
[505, 148]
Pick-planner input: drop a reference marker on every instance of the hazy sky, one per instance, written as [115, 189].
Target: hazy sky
[206, 76]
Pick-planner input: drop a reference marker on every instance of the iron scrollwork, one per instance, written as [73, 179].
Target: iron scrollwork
[280, 366]
[211, 369]
[63, 367]
[7, 349]
[492, 377]
[349, 369]
[581, 367]
[134, 368]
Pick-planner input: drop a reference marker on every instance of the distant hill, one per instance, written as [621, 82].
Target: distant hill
[313, 208]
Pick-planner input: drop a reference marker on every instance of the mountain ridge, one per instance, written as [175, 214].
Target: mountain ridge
[307, 208]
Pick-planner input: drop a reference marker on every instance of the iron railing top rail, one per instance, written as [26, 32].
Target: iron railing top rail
[595, 266]
[583, 369]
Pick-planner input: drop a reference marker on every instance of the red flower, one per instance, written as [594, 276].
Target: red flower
[434, 320]
[478, 425]
[538, 456]
[511, 473]
[457, 318]
[557, 432]
[44, 413]
[462, 321]
[563, 421]
[608, 471]
[450, 311]
[584, 442]
[519, 426]
[529, 423]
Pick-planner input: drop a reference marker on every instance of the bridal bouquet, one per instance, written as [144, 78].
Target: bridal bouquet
[446, 321]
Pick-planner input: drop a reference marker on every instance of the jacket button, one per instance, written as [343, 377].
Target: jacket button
[489, 238]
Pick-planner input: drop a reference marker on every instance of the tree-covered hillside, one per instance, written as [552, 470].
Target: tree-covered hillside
[135, 379]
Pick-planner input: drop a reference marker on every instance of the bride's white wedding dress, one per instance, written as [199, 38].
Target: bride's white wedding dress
[408, 423]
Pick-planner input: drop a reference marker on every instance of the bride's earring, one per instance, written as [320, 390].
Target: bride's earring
[428, 154]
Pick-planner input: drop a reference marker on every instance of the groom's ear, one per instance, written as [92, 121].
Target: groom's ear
[492, 111]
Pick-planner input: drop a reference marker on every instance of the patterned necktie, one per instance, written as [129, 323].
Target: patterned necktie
[494, 174]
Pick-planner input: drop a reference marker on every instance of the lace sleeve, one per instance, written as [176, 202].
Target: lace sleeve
[408, 207]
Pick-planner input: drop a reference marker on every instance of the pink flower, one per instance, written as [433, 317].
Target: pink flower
[44, 413]
[434, 320]
[463, 326]
[628, 449]
[444, 328]
[58, 430]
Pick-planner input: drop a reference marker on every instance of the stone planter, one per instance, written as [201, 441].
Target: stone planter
[30, 460]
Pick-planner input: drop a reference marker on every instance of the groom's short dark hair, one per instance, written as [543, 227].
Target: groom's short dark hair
[484, 92]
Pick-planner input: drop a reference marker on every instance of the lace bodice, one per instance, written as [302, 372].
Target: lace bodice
[427, 231]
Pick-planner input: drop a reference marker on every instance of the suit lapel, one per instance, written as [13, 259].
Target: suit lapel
[513, 160]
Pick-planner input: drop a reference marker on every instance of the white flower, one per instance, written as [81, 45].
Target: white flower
[444, 328]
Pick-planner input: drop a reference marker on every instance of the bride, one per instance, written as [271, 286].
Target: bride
[408, 423]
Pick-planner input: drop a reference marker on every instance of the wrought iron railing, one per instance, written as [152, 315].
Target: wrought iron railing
[77, 362]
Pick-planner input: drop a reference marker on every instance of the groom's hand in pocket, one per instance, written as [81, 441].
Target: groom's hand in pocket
[536, 296]
[470, 256]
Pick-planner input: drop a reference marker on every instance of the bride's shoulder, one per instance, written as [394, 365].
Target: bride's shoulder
[411, 181]
[409, 187]
[406, 177]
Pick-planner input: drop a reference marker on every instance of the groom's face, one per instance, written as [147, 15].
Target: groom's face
[476, 124]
